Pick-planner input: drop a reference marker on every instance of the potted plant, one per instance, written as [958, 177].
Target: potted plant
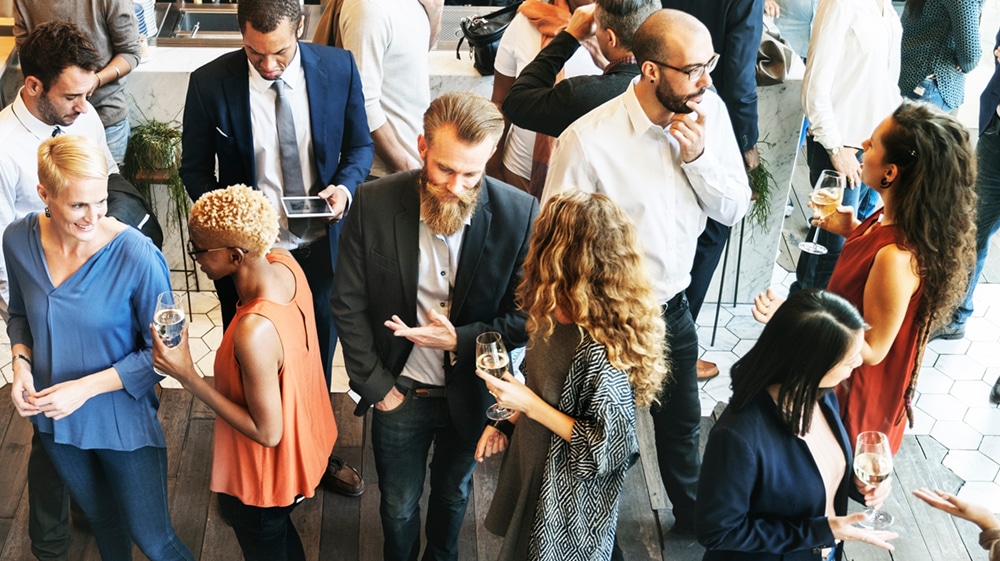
[153, 158]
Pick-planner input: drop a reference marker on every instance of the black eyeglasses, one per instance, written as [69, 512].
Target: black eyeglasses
[194, 252]
[694, 71]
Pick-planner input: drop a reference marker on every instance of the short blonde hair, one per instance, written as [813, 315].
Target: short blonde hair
[69, 156]
[236, 216]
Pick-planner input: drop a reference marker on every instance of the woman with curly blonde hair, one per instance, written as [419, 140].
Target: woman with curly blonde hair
[274, 426]
[595, 353]
[906, 267]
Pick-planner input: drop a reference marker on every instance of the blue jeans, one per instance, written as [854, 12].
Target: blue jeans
[117, 135]
[813, 271]
[931, 95]
[265, 534]
[987, 209]
[401, 440]
[677, 418]
[124, 495]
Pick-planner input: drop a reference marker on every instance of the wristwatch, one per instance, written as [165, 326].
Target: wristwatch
[833, 151]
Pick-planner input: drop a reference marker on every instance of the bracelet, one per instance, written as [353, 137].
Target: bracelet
[99, 81]
[118, 73]
[24, 358]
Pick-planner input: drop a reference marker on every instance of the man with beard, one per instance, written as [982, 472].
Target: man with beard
[665, 151]
[430, 259]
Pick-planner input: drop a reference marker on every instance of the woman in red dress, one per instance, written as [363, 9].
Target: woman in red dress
[907, 266]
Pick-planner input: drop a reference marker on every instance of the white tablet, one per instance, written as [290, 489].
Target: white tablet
[306, 207]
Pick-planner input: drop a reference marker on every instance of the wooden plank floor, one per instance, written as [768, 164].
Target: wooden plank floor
[343, 529]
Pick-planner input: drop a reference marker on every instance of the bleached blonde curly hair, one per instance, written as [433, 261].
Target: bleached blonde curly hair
[236, 216]
[585, 258]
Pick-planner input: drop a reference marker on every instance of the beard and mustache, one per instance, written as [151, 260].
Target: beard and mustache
[445, 217]
[674, 102]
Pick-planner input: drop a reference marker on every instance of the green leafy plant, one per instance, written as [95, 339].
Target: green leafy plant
[763, 186]
[153, 158]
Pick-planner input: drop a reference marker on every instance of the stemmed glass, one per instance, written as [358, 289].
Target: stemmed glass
[873, 465]
[825, 198]
[168, 319]
[492, 358]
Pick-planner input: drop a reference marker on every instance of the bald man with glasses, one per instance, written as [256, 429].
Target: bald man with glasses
[665, 151]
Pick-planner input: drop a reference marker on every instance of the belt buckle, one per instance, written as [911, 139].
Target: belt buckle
[421, 392]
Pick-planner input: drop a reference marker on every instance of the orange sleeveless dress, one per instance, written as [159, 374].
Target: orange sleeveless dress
[872, 398]
[267, 477]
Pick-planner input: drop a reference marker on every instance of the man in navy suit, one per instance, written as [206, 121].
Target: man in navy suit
[237, 113]
[988, 205]
[431, 258]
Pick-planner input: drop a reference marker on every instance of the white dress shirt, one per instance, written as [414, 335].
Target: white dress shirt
[616, 150]
[267, 156]
[851, 71]
[22, 133]
[439, 256]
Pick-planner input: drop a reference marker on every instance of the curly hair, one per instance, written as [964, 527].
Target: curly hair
[54, 46]
[67, 157]
[266, 15]
[584, 257]
[935, 203]
[236, 216]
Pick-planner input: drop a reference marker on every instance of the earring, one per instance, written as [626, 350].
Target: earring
[886, 183]
[47, 213]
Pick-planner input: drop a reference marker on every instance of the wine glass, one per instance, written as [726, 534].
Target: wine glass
[825, 198]
[168, 319]
[873, 465]
[492, 358]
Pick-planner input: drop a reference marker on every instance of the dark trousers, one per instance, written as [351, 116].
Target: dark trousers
[677, 419]
[265, 534]
[711, 243]
[317, 265]
[48, 506]
[401, 441]
[814, 271]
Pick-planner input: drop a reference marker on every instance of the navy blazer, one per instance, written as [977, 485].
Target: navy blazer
[736, 27]
[991, 95]
[376, 278]
[760, 495]
[217, 122]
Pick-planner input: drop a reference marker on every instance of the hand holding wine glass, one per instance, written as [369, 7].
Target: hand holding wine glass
[168, 318]
[873, 465]
[824, 199]
[492, 359]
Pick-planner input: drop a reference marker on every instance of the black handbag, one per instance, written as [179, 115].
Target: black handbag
[483, 34]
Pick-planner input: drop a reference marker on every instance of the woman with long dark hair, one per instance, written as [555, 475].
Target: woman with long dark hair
[778, 466]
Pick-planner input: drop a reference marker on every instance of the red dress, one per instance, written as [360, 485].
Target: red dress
[872, 398]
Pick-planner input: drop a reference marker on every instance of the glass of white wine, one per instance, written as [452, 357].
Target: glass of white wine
[825, 198]
[168, 318]
[492, 358]
[873, 465]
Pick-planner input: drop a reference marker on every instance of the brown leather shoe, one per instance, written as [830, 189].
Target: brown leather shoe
[707, 370]
[342, 478]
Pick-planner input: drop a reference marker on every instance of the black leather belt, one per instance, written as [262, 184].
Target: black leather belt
[304, 251]
[674, 302]
[404, 385]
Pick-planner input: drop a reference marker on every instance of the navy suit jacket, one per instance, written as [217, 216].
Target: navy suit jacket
[217, 123]
[760, 496]
[991, 95]
[376, 278]
[736, 27]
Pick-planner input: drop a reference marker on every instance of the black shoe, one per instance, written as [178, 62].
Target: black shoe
[342, 478]
[948, 333]
[995, 394]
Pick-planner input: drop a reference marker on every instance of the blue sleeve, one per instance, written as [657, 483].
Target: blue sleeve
[152, 277]
[738, 86]
[730, 483]
[357, 148]
[18, 330]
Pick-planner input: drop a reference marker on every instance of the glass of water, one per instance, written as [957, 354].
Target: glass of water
[168, 319]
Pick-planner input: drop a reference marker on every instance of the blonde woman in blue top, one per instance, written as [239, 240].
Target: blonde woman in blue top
[83, 287]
